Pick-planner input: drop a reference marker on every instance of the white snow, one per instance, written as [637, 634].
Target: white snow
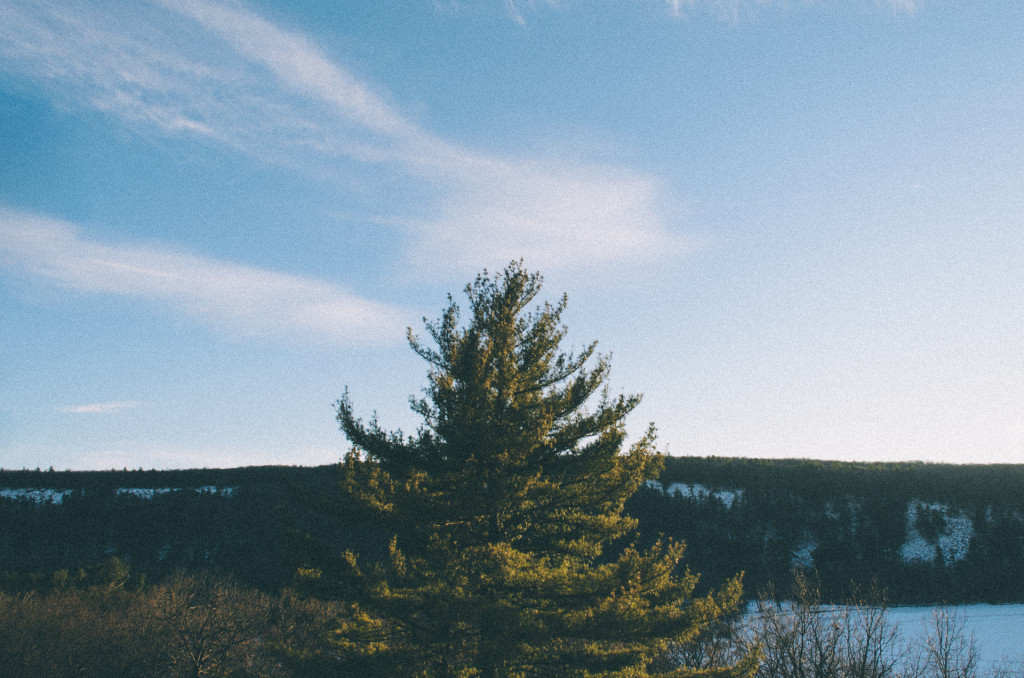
[997, 629]
[698, 491]
[150, 492]
[43, 496]
[803, 555]
[213, 489]
[952, 543]
[40, 496]
[143, 492]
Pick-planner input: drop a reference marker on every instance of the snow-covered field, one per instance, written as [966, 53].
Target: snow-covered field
[998, 629]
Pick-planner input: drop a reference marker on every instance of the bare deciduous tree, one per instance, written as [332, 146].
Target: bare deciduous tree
[872, 645]
[806, 639]
[211, 625]
[946, 650]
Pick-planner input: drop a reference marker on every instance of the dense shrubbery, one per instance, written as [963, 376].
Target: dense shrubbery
[193, 624]
[107, 623]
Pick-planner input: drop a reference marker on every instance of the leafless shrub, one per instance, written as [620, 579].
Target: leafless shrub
[191, 625]
[75, 633]
[1007, 668]
[945, 650]
[210, 625]
[806, 639]
[871, 645]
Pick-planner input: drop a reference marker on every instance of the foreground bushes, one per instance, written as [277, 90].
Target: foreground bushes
[805, 638]
[103, 624]
[191, 625]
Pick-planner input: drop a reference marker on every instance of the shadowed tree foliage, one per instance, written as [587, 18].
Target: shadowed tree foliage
[510, 554]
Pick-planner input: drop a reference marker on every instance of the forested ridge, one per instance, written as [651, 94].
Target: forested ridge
[845, 521]
[926, 533]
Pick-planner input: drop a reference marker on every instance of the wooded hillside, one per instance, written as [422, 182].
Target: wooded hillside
[926, 532]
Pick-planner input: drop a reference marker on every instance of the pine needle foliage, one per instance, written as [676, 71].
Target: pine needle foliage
[504, 506]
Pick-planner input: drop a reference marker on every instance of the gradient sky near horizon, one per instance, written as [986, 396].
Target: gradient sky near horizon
[796, 225]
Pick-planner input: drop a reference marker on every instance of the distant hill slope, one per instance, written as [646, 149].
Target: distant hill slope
[926, 532]
[243, 520]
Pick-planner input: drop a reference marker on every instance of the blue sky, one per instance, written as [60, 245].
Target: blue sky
[795, 225]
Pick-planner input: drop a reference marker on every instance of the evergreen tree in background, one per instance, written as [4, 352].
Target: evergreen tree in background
[510, 554]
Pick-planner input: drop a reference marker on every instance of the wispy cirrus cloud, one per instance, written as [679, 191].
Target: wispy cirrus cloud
[100, 408]
[159, 456]
[217, 71]
[909, 6]
[238, 298]
[736, 10]
[724, 10]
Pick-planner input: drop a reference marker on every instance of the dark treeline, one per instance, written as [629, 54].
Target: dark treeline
[108, 481]
[895, 524]
[820, 480]
[846, 521]
[244, 521]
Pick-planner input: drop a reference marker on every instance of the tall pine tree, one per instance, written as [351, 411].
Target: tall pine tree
[510, 553]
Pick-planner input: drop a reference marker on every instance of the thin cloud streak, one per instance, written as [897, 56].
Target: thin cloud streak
[297, 63]
[549, 215]
[99, 408]
[586, 213]
[169, 457]
[736, 10]
[246, 83]
[237, 298]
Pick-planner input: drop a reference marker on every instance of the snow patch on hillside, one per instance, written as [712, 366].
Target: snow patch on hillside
[803, 555]
[951, 543]
[39, 496]
[142, 492]
[150, 492]
[49, 496]
[213, 489]
[698, 492]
